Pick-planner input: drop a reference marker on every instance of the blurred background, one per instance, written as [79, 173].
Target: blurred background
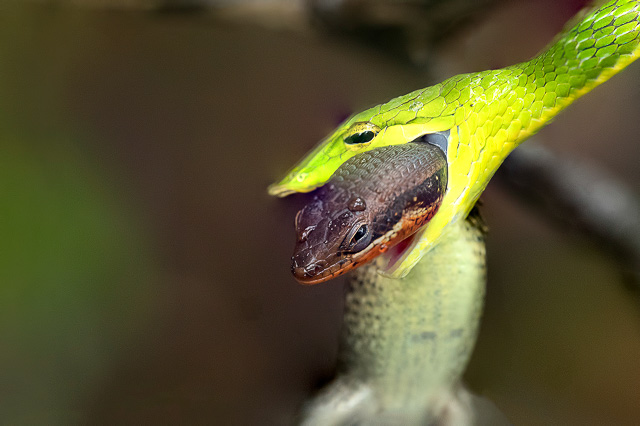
[144, 271]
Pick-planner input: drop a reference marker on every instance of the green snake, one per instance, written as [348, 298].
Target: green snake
[479, 117]
[409, 332]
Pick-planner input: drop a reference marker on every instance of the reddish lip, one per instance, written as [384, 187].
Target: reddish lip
[396, 241]
[343, 266]
[317, 279]
[384, 244]
[394, 254]
[378, 247]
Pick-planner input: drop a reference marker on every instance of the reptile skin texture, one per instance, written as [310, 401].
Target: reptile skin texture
[487, 113]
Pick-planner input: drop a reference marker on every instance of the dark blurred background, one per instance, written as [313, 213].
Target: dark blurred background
[144, 271]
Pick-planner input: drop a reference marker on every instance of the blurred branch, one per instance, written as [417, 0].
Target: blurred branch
[407, 29]
[579, 197]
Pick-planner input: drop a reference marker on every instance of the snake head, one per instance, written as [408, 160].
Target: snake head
[349, 139]
[397, 122]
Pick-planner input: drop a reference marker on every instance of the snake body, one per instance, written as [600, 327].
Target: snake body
[484, 115]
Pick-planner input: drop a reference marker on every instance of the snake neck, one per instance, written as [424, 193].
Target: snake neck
[509, 105]
[492, 112]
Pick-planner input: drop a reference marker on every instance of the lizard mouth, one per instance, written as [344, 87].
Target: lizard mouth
[397, 252]
[320, 271]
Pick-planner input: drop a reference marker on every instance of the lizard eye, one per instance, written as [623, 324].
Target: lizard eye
[359, 240]
[361, 232]
[361, 132]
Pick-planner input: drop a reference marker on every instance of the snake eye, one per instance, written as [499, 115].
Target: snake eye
[361, 132]
[358, 138]
[359, 240]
